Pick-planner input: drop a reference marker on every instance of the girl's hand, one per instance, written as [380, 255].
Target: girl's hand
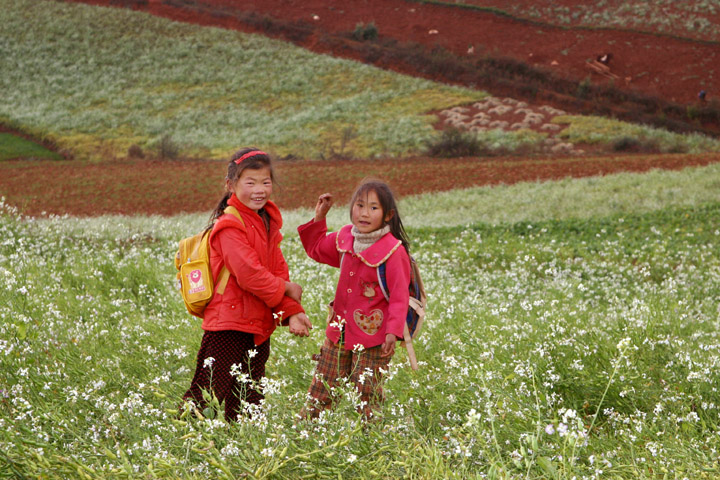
[300, 325]
[388, 348]
[324, 203]
[293, 290]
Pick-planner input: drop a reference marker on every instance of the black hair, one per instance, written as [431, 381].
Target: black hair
[235, 170]
[387, 203]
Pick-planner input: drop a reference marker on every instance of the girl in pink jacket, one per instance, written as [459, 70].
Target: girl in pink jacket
[258, 296]
[363, 326]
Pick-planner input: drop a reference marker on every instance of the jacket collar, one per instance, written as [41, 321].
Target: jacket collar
[375, 255]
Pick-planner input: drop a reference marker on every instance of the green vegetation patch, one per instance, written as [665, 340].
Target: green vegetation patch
[102, 79]
[12, 146]
[600, 130]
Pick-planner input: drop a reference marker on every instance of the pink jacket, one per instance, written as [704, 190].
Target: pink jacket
[256, 288]
[359, 303]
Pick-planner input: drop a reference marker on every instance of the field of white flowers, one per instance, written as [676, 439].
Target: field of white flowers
[582, 346]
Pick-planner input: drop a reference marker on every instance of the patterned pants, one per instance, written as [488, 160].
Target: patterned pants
[229, 348]
[361, 368]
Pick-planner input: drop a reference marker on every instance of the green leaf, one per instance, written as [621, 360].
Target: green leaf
[548, 466]
[21, 331]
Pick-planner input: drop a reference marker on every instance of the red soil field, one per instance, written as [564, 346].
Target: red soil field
[673, 68]
[169, 187]
[657, 65]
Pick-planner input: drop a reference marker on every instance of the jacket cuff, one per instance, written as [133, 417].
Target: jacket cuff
[313, 225]
[398, 333]
[278, 295]
[288, 308]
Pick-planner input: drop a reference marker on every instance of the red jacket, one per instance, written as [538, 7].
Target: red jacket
[258, 272]
[359, 303]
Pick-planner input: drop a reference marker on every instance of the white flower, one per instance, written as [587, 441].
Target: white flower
[208, 362]
[351, 458]
[624, 344]
[473, 418]
[358, 348]
[550, 429]
[252, 353]
[230, 450]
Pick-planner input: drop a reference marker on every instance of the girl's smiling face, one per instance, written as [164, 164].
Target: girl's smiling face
[367, 213]
[253, 188]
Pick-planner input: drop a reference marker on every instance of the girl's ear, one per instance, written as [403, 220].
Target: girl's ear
[390, 215]
[228, 185]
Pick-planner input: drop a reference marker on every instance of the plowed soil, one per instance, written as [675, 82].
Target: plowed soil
[170, 187]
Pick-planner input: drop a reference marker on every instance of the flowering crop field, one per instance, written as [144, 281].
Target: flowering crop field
[696, 19]
[98, 80]
[580, 346]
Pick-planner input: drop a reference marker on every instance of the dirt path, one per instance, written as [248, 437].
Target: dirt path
[166, 188]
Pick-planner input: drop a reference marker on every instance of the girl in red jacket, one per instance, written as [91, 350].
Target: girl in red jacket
[259, 295]
[364, 326]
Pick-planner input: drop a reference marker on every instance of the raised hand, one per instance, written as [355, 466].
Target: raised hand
[324, 203]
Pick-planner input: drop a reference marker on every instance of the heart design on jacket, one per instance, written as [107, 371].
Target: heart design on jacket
[369, 324]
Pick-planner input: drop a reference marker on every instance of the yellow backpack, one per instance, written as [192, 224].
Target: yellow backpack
[194, 275]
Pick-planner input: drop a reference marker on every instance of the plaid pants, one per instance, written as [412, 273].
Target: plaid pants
[361, 368]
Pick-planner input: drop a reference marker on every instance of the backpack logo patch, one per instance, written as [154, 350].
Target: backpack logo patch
[195, 280]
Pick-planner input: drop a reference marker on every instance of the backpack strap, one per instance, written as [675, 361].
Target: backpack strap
[414, 303]
[382, 280]
[409, 347]
[224, 275]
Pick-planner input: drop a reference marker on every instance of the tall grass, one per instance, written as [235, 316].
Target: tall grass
[99, 80]
[582, 347]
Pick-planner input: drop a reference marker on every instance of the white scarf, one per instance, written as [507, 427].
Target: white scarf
[363, 241]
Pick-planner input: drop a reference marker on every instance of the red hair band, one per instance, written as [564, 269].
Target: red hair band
[248, 155]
